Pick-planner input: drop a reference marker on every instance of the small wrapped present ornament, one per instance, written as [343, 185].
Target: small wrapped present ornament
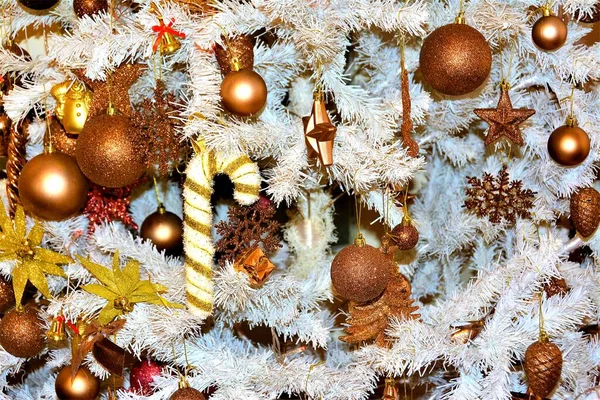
[256, 264]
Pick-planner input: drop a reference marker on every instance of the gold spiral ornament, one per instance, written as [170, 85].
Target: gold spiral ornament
[198, 219]
[16, 161]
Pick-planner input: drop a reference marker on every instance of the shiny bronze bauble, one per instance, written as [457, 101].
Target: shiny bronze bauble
[243, 92]
[549, 33]
[52, 187]
[21, 333]
[38, 5]
[165, 230]
[360, 272]
[569, 145]
[455, 59]
[187, 393]
[109, 151]
[85, 385]
[7, 294]
[89, 7]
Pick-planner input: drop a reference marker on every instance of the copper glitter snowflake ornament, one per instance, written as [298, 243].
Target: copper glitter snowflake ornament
[498, 198]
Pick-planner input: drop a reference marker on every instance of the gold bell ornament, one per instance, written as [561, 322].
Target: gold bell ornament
[167, 41]
[390, 392]
[73, 100]
[56, 335]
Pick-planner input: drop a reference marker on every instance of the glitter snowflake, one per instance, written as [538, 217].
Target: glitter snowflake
[498, 198]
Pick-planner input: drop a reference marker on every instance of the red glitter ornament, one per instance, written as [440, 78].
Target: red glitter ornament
[142, 377]
[107, 205]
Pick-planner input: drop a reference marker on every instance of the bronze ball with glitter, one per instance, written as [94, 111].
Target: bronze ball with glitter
[21, 333]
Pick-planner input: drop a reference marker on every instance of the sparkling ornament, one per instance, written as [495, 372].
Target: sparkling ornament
[240, 48]
[52, 187]
[243, 92]
[85, 385]
[56, 335]
[319, 132]
[360, 272]
[109, 151]
[73, 102]
[405, 235]
[543, 366]
[165, 230]
[142, 376]
[61, 141]
[455, 59]
[89, 7]
[185, 392]
[38, 5]
[569, 145]
[504, 120]
[166, 37]
[107, 205]
[21, 333]
[585, 211]
[549, 33]
[7, 294]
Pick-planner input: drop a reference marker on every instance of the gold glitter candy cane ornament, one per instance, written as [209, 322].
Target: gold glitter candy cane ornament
[198, 219]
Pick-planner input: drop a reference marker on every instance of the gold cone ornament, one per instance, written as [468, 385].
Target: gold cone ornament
[73, 101]
[543, 367]
[390, 392]
[585, 211]
[319, 132]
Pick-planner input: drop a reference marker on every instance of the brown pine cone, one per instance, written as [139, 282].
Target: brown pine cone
[543, 366]
[585, 211]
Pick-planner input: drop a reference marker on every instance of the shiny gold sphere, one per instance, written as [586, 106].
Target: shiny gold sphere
[569, 145]
[21, 333]
[85, 386]
[165, 230]
[549, 33]
[52, 187]
[89, 7]
[109, 151]
[7, 295]
[455, 59]
[243, 92]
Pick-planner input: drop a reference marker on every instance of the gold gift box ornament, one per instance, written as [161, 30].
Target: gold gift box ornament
[256, 265]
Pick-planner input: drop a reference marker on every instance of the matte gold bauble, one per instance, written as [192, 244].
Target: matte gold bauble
[38, 5]
[240, 48]
[569, 145]
[360, 272]
[85, 386]
[187, 393]
[21, 333]
[89, 7]
[165, 230]
[52, 187]
[7, 295]
[243, 92]
[455, 59]
[549, 32]
[109, 151]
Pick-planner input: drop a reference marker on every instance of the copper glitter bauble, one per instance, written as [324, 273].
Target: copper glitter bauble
[360, 273]
[240, 48]
[109, 151]
[243, 92]
[165, 230]
[569, 145]
[85, 385]
[61, 141]
[585, 211]
[455, 59]
[549, 33]
[405, 236]
[543, 366]
[21, 333]
[52, 187]
[89, 7]
[187, 393]
[7, 295]
[38, 5]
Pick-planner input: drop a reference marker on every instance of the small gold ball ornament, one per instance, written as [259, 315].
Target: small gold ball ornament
[569, 145]
[109, 151]
[549, 33]
[165, 230]
[85, 385]
[89, 7]
[243, 92]
[455, 59]
[21, 333]
[7, 294]
[52, 187]
[405, 235]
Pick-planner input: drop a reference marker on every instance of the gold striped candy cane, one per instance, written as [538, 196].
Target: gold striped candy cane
[198, 220]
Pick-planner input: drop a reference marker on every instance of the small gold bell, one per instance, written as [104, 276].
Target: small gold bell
[390, 392]
[56, 335]
[169, 44]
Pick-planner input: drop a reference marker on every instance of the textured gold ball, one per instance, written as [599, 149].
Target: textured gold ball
[109, 151]
[455, 59]
[85, 386]
[165, 230]
[38, 5]
[89, 7]
[21, 333]
[52, 187]
[360, 273]
[243, 92]
[405, 236]
[187, 394]
[62, 142]
[569, 145]
[7, 295]
[549, 33]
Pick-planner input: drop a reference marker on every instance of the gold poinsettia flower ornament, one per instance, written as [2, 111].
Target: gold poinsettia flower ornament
[122, 288]
[32, 260]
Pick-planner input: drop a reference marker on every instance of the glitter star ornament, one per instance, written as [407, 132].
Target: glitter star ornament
[504, 120]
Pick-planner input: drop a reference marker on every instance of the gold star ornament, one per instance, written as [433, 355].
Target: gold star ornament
[504, 120]
[32, 261]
